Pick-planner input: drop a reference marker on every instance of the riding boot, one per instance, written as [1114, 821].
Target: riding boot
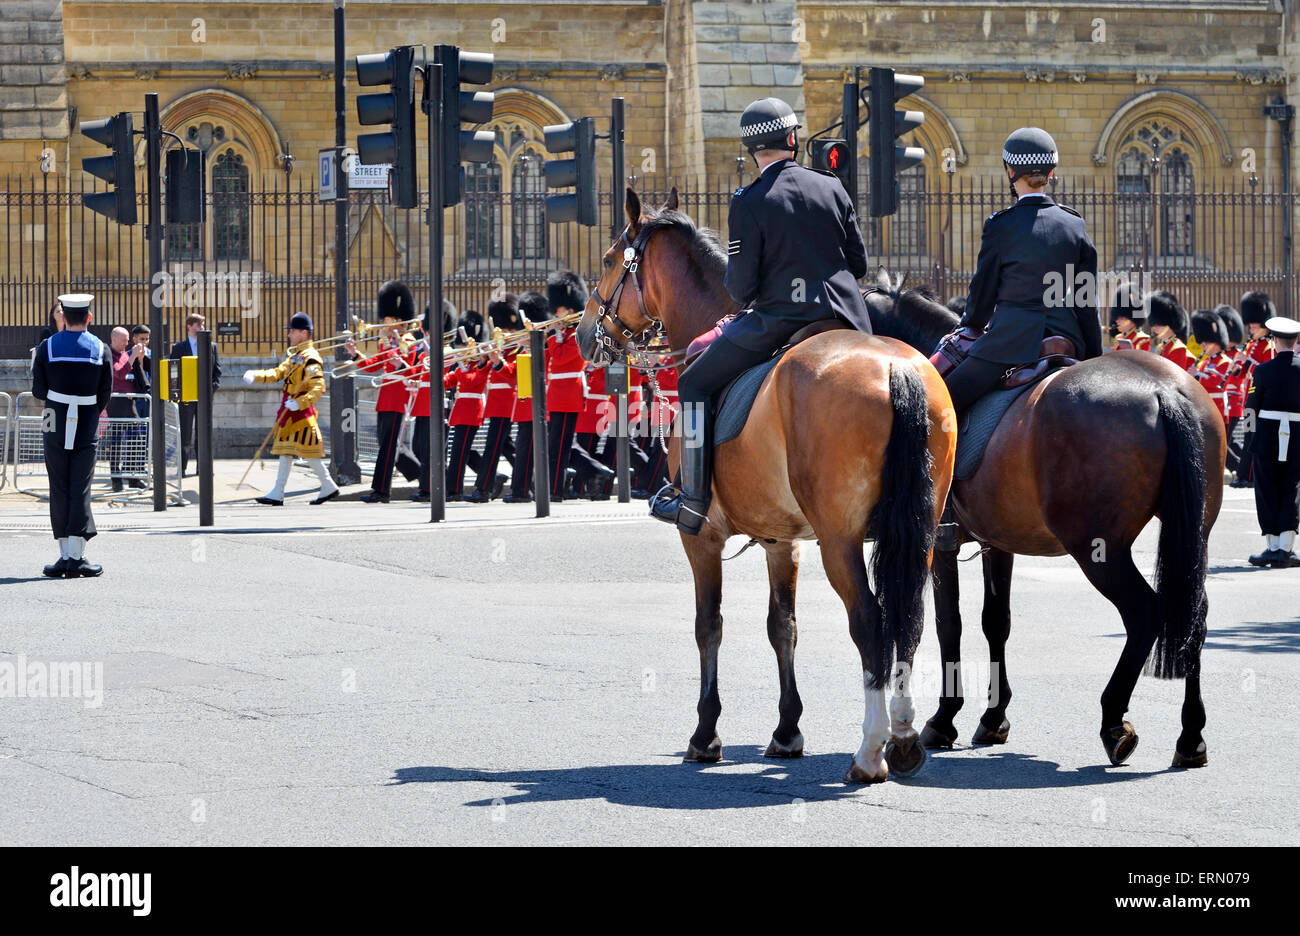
[689, 506]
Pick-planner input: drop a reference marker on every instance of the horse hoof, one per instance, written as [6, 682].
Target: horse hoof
[711, 754]
[934, 738]
[857, 775]
[905, 756]
[1196, 759]
[983, 735]
[1119, 742]
[776, 749]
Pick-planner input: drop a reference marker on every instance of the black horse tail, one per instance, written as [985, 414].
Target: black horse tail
[903, 522]
[1181, 560]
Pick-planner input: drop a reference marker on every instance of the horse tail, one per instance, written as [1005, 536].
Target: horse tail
[903, 521]
[1181, 560]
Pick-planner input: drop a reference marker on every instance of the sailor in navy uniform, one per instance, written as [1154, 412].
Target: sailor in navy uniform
[1026, 249]
[794, 258]
[1274, 407]
[73, 376]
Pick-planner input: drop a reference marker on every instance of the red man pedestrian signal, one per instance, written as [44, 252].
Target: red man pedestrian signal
[831, 156]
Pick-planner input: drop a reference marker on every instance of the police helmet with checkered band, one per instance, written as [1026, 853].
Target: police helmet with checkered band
[769, 123]
[1029, 150]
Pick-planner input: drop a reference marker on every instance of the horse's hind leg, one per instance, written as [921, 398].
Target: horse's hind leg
[1116, 577]
[705, 555]
[996, 620]
[782, 571]
[939, 731]
[905, 751]
[847, 571]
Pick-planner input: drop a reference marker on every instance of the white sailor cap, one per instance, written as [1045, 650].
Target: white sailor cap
[76, 300]
[1283, 327]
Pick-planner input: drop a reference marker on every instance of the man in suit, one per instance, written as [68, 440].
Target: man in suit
[1025, 250]
[1274, 407]
[794, 258]
[189, 412]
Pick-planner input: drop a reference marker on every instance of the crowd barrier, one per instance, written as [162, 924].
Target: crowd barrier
[6, 419]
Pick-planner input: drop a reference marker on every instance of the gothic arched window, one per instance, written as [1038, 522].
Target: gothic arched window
[1178, 209]
[528, 199]
[483, 211]
[231, 208]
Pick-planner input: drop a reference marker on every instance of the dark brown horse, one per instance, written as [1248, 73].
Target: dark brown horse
[1079, 465]
[845, 435]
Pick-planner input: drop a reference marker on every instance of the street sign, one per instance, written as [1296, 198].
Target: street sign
[328, 182]
[363, 176]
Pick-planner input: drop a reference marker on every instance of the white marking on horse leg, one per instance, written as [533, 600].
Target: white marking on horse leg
[875, 732]
[901, 712]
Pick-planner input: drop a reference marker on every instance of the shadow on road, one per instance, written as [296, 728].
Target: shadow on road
[1256, 637]
[674, 785]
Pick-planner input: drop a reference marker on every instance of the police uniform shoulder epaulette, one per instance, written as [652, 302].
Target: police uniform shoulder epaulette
[998, 214]
[1069, 209]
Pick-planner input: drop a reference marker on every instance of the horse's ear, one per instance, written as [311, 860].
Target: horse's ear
[882, 280]
[671, 204]
[633, 210]
[902, 281]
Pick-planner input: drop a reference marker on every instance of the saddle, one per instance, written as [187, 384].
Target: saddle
[1055, 351]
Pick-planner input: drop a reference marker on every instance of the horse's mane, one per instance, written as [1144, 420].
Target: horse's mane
[710, 260]
[915, 317]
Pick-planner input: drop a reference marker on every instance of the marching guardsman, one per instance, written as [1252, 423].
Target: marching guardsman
[1274, 404]
[1256, 309]
[296, 433]
[1168, 322]
[1023, 248]
[501, 396]
[790, 225]
[533, 307]
[1213, 367]
[72, 373]
[420, 404]
[469, 380]
[1128, 316]
[391, 360]
[565, 375]
[654, 474]
[1236, 383]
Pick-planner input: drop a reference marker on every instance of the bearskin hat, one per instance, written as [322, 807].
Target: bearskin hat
[1207, 327]
[1128, 304]
[1232, 322]
[504, 313]
[448, 317]
[566, 290]
[533, 304]
[472, 322]
[1256, 307]
[1164, 309]
[395, 301]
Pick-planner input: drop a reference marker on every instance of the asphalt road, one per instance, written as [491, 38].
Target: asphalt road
[503, 680]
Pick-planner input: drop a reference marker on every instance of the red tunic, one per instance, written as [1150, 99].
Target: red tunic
[501, 389]
[663, 413]
[1237, 380]
[564, 375]
[1212, 372]
[636, 398]
[589, 420]
[1176, 351]
[418, 383]
[392, 392]
[471, 395]
[1135, 338]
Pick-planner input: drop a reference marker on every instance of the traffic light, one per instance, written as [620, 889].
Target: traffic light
[117, 169]
[889, 158]
[395, 67]
[579, 138]
[458, 146]
[184, 203]
[832, 156]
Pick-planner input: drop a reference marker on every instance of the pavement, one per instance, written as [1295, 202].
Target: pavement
[352, 674]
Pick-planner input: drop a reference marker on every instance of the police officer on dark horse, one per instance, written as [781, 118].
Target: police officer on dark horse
[794, 258]
[1078, 465]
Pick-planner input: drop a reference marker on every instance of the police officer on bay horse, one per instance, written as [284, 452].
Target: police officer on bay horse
[794, 257]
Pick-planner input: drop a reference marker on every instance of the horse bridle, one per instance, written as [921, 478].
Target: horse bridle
[609, 307]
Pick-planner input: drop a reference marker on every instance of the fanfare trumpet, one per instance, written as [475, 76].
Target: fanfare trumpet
[360, 331]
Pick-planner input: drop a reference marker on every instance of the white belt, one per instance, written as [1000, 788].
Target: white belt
[500, 386]
[470, 396]
[576, 373]
[1283, 429]
[70, 425]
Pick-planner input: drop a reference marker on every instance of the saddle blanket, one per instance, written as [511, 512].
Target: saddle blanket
[977, 425]
[737, 399]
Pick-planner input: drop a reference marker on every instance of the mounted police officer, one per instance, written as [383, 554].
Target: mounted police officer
[1274, 406]
[1024, 249]
[73, 374]
[794, 258]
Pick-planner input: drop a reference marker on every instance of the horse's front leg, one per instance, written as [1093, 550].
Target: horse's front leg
[782, 571]
[994, 727]
[704, 553]
[939, 731]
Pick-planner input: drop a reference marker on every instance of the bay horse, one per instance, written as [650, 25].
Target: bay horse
[1079, 465]
[845, 435]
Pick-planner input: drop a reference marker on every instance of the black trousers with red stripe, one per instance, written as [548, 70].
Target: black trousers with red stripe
[560, 430]
[521, 466]
[496, 446]
[390, 430]
[1236, 460]
[462, 441]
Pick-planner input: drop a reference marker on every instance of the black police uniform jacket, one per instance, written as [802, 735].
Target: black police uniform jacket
[795, 255]
[73, 364]
[1276, 386]
[1024, 247]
